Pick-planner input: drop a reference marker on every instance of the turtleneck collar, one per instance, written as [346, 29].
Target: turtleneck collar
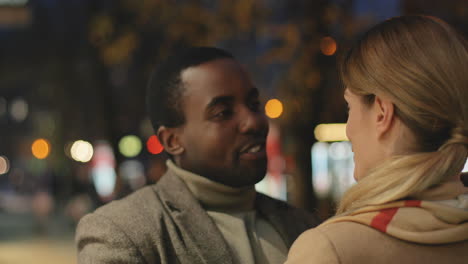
[215, 196]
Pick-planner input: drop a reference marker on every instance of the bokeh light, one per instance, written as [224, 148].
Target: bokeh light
[340, 150]
[81, 151]
[328, 46]
[153, 145]
[19, 110]
[321, 178]
[40, 148]
[103, 170]
[274, 108]
[331, 132]
[130, 146]
[104, 179]
[4, 165]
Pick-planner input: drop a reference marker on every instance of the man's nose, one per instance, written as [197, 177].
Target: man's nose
[253, 122]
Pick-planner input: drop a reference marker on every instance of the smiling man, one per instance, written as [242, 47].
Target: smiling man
[207, 114]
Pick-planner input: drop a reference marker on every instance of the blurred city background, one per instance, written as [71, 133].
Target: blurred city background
[74, 134]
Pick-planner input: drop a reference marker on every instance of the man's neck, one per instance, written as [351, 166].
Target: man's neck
[216, 196]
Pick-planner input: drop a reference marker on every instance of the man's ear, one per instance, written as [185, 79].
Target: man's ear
[385, 115]
[170, 140]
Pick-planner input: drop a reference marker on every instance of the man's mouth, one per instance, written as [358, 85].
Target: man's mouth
[253, 151]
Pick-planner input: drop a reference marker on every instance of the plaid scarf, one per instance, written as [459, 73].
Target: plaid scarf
[434, 221]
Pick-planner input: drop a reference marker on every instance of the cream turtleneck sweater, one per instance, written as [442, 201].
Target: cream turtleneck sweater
[250, 237]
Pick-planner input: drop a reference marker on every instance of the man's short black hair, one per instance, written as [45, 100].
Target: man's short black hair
[165, 87]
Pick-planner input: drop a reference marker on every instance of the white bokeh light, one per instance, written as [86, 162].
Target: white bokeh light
[81, 151]
[4, 165]
[19, 110]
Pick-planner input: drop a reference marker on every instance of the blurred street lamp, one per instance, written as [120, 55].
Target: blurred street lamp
[4, 165]
[330, 132]
[81, 151]
[40, 148]
[274, 108]
[130, 146]
[19, 110]
[153, 145]
[328, 46]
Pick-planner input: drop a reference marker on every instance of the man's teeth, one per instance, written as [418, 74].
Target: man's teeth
[254, 149]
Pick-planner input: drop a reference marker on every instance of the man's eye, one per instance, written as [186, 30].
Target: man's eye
[223, 114]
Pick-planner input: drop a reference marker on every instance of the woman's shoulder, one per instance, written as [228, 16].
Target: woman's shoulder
[336, 235]
[333, 243]
[313, 244]
[350, 242]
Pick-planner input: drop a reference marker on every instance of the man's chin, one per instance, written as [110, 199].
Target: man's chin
[252, 176]
[243, 176]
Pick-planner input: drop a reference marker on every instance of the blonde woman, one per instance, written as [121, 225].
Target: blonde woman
[407, 90]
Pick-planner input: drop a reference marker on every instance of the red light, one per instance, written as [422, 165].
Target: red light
[153, 145]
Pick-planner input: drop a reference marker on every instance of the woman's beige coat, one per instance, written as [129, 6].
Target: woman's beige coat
[430, 229]
[349, 242]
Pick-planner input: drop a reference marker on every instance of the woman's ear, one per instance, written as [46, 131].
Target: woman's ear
[385, 115]
[170, 140]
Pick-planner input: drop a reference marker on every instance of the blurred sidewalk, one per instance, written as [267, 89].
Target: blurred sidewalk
[37, 251]
[23, 241]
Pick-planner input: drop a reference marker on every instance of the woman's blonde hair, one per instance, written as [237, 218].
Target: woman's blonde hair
[421, 64]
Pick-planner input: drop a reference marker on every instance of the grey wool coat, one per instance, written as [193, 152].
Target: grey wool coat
[164, 223]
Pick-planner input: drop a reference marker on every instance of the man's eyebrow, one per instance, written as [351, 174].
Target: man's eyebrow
[227, 99]
[253, 92]
[219, 100]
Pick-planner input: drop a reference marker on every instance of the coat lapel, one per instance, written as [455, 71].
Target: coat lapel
[283, 217]
[202, 242]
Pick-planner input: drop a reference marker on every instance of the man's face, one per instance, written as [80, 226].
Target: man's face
[225, 128]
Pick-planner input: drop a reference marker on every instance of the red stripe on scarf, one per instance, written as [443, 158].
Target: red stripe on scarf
[412, 203]
[383, 218]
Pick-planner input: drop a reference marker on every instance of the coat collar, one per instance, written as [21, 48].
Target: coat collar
[203, 242]
[287, 221]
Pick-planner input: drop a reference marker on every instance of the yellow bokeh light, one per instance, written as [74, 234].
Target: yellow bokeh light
[41, 148]
[328, 46]
[331, 132]
[130, 146]
[274, 108]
